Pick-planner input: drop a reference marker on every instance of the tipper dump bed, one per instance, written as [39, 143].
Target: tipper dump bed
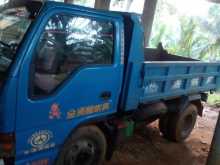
[166, 75]
[164, 79]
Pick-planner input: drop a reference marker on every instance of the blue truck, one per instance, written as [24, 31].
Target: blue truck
[76, 81]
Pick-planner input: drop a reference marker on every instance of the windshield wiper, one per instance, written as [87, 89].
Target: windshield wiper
[5, 44]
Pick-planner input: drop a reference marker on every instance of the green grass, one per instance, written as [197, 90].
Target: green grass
[214, 99]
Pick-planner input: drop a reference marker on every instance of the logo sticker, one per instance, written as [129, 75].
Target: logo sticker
[40, 141]
[83, 111]
[55, 112]
[40, 138]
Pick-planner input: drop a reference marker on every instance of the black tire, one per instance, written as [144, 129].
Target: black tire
[86, 146]
[177, 127]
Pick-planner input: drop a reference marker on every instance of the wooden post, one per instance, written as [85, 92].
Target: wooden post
[102, 4]
[215, 1]
[148, 18]
[69, 1]
[3, 5]
[214, 153]
[14, 3]
[128, 5]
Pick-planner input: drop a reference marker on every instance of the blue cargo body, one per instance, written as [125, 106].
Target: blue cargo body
[77, 69]
[171, 79]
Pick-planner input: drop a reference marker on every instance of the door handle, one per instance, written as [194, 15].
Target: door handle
[106, 95]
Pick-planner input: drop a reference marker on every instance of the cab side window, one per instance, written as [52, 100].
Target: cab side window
[67, 43]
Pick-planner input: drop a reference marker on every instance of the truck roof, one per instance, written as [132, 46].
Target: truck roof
[34, 6]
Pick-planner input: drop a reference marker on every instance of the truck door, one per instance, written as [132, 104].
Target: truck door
[71, 73]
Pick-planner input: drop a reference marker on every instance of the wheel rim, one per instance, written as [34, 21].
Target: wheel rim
[82, 152]
[187, 125]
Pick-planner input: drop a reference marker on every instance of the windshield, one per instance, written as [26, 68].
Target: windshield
[13, 25]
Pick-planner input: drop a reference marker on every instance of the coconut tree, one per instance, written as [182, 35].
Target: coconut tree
[193, 36]
[210, 28]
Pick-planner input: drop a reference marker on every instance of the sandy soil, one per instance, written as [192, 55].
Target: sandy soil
[148, 147]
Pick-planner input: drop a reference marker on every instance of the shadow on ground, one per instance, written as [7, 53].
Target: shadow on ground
[148, 147]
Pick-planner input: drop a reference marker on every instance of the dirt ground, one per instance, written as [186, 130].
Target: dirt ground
[148, 147]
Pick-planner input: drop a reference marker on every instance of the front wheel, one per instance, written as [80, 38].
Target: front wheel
[178, 126]
[87, 146]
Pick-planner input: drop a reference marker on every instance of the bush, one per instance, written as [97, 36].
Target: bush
[214, 100]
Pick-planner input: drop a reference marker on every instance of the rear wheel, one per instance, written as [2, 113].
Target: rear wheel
[178, 126]
[87, 146]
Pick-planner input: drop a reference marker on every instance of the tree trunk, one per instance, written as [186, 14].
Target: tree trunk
[102, 4]
[3, 5]
[17, 3]
[215, 1]
[69, 1]
[148, 18]
[14, 3]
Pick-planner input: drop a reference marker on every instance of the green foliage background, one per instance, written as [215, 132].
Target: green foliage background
[193, 36]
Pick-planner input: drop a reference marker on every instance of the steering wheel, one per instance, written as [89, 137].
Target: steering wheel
[13, 47]
[5, 44]
[9, 50]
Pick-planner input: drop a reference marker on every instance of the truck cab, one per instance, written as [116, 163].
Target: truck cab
[57, 61]
[70, 75]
